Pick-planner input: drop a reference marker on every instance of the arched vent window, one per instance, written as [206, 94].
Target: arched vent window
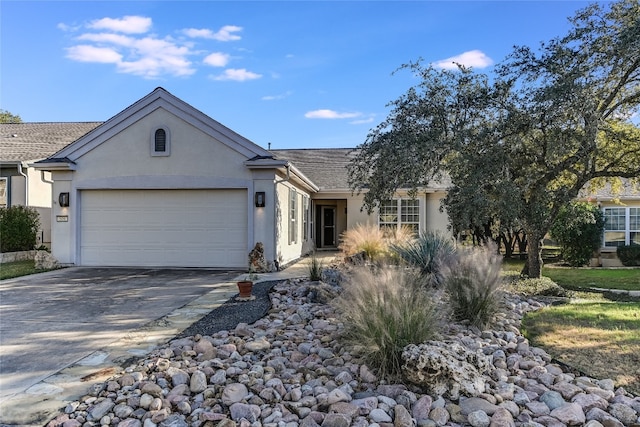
[160, 142]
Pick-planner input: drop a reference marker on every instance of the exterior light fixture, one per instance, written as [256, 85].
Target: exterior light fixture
[63, 200]
[260, 199]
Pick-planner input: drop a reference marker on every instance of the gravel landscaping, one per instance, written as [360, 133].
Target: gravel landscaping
[287, 369]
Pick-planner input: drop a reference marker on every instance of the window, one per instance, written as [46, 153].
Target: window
[3, 192]
[293, 215]
[305, 218]
[621, 227]
[160, 142]
[399, 213]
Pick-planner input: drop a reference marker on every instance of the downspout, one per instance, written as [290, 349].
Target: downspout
[26, 184]
[275, 192]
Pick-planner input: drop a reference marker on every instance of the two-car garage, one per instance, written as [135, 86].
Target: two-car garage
[185, 228]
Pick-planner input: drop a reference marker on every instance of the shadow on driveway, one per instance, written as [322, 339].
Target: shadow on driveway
[51, 320]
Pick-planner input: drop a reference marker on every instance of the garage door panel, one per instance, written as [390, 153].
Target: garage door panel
[190, 228]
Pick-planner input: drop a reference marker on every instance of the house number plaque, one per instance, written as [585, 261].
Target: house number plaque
[62, 218]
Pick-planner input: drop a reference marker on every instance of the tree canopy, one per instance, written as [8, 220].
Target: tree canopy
[7, 117]
[520, 144]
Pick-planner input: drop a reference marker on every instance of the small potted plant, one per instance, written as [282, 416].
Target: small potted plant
[245, 286]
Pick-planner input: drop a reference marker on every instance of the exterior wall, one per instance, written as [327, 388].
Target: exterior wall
[285, 251]
[39, 188]
[125, 161]
[436, 220]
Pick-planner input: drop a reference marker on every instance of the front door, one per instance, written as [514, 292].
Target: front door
[328, 226]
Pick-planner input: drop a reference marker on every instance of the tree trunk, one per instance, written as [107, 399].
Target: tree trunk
[533, 267]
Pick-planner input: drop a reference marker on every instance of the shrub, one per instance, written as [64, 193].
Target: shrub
[629, 255]
[427, 253]
[578, 229]
[473, 283]
[542, 286]
[365, 238]
[382, 312]
[18, 228]
[315, 268]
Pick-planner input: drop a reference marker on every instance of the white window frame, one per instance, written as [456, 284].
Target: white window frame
[305, 218]
[293, 215]
[399, 212]
[4, 193]
[627, 223]
[167, 145]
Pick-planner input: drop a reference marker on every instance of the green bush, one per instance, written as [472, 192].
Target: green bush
[578, 229]
[383, 311]
[629, 255]
[429, 252]
[542, 286]
[18, 228]
[473, 282]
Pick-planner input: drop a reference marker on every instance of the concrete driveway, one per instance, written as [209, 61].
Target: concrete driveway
[53, 322]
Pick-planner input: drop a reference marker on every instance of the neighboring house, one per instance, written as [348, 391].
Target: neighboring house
[621, 209]
[20, 184]
[162, 184]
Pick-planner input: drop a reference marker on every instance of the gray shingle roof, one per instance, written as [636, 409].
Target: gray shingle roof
[33, 141]
[326, 167]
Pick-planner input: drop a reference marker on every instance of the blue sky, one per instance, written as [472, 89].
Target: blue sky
[297, 74]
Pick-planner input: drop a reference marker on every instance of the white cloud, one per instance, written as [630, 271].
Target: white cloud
[224, 34]
[330, 114]
[239, 75]
[87, 53]
[277, 97]
[123, 42]
[362, 121]
[127, 24]
[472, 58]
[217, 59]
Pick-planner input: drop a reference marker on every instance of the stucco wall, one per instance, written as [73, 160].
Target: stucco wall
[285, 251]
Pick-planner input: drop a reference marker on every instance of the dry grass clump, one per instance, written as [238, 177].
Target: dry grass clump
[383, 311]
[373, 241]
[473, 282]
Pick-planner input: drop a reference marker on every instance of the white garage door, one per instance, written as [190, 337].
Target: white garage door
[165, 228]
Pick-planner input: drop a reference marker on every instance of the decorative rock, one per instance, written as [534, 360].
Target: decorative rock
[445, 368]
[152, 389]
[130, 422]
[479, 419]
[569, 414]
[402, 417]
[474, 404]
[234, 393]
[333, 420]
[198, 382]
[100, 409]
[338, 395]
[502, 418]
[552, 399]
[379, 416]
[439, 415]
[589, 401]
[625, 414]
[260, 344]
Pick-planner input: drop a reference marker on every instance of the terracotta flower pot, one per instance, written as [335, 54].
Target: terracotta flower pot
[245, 287]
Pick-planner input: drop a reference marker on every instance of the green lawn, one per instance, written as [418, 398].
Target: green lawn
[576, 278]
[601, 339]
[572, 278]
[16, 269]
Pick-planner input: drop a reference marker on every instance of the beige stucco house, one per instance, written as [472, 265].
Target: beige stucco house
[163, 184]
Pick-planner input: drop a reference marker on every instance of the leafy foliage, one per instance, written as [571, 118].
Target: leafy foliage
[521, 146]
[8, 117]
[427, 253]
[629, 255]
[578, 229]
[541, 286]
[18, 228]
[383, 311]
[473, 283]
